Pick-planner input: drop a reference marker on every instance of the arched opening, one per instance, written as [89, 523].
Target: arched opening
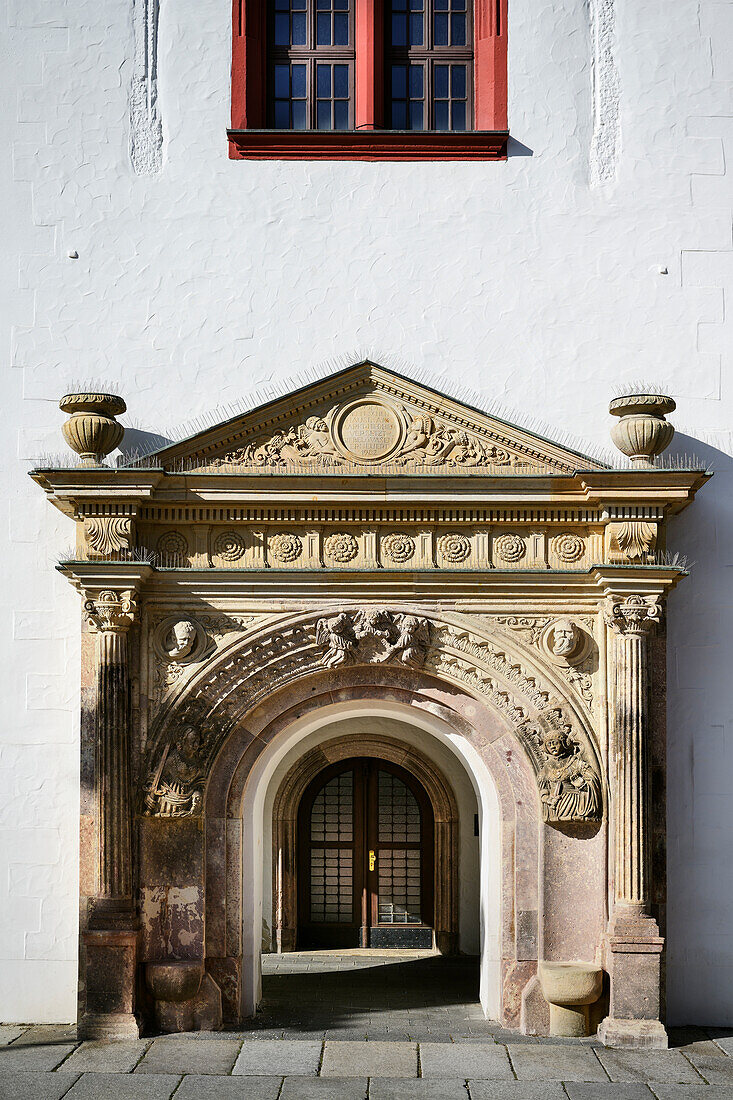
[467, 910]
[365, 858]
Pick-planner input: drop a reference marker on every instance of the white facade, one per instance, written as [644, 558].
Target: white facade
[537, 282]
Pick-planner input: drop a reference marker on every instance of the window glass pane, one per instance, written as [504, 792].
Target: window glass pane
[399, 81]
[341, 114]
[440, 81]
[416, 30]
[458, 116]
[458, 81]
[323, 29]
[399, 30]
[416, 116]
[282, 29]
[441, 115]
[298, 78]
[323, 81]
[416, 81]
[341, 30]
[282, 114]
[323, 114]
[399, 114]
[440, 30]
[298, 29]
[458, 30]
[282, 82]
[299, 115]
[341, 81]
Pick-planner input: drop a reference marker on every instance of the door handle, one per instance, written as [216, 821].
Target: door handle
[372, 859]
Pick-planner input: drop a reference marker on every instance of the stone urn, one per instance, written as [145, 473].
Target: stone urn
[174, 984]
[91, 429]
[568, 988]
[642, 432]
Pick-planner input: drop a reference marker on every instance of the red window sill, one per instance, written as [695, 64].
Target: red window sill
[367, 145]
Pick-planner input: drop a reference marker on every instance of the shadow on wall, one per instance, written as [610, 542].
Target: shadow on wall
[138, 442]
[700, 750]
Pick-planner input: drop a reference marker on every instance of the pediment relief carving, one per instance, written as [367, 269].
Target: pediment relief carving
[370, 418]
[220, 696]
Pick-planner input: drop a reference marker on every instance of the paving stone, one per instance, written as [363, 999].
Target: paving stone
[29, 1059]
[484, 1060]
[350, 1059]
[279, 1056]
[8, 1032]
[116, 1086]
[33, 1086]
[716, 1071]
[611, 1090]
[199, 1087]
[555, 1063]
[320, 1088]
[403, 1088]
[516, 1090]
[647, 1065]
[47, 1035]
[169, 1055]
[95, 1056]
[690, 1092]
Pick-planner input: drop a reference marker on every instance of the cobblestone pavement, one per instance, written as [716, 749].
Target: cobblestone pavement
[358, 1025]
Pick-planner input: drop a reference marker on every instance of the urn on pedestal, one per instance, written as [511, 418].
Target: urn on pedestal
[91, 429]
[642, 431]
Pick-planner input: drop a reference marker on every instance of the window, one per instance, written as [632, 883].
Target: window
[311, 52]
[429, 65]
[369, 79]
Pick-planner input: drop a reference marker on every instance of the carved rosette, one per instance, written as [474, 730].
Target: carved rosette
[286, 547]
[568, 547]
[230, 546]
[510, 548]
[398, 547]
[454, 547]
[341, 547]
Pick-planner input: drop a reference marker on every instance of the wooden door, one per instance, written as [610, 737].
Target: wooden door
[366, 855]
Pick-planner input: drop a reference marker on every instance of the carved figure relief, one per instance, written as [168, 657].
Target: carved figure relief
[570, 790]
[370, 429]
[374, 636]
[174, 789]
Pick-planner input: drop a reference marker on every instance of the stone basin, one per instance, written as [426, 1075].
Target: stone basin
[176, 980]
[568, 988]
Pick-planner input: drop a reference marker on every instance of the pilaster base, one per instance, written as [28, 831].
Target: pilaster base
[633, 1034]
[109, 1025]
[635, 957]
[109, 972]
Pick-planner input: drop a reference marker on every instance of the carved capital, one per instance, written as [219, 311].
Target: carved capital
[633, 615]
[110, 611]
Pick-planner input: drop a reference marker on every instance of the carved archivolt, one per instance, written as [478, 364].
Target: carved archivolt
[228, 686]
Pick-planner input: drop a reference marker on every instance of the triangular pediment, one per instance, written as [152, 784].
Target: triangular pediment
[368, 419]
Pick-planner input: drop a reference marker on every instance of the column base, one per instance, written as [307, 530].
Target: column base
[633, 1034]
[109, 1025]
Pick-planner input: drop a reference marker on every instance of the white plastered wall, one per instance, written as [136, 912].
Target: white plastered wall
[536, 282]
[480, 860]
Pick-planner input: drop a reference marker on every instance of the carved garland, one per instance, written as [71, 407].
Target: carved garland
[221, 697]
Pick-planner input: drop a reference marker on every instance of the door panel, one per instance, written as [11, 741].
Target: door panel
[366, 857]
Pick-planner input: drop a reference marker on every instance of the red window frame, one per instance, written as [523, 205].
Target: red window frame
[250, 139]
